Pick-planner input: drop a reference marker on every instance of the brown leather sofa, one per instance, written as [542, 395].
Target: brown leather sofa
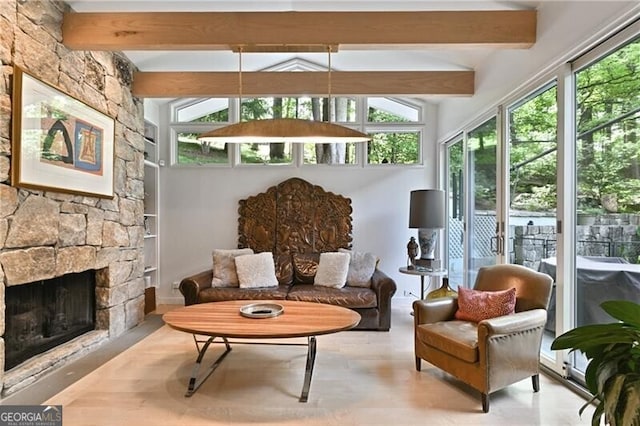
[373, 304]
[296, 221]
[493, 353]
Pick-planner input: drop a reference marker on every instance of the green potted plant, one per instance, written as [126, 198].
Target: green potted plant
[613, 372]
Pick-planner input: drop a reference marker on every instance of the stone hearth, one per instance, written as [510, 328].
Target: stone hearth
[47, 234]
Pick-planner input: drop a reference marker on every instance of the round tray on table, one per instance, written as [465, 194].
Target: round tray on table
[261, 310]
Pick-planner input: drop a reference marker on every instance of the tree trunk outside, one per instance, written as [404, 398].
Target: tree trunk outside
[276, 150]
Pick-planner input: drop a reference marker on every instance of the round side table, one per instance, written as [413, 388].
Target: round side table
[422, 273]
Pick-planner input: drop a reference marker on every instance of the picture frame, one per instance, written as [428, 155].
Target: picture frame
[59, 143]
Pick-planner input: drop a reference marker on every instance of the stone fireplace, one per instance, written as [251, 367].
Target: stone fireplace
[46, 235]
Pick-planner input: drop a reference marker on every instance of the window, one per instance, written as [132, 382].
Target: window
[532, 152]
[214, 110]
[395, 126]
[265, 153]
[385, 110]
[193, 151]
[394, 148]
[330, 153]
[607, 123]
[398, 145]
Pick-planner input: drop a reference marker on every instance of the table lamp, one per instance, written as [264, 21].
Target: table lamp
[426, 213]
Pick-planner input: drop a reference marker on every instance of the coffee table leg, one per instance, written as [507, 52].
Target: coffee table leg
[194, 381]
[311, 358]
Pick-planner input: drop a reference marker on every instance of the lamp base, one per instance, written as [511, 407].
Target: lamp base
[423, 263]
[427, 238]
[431, 264]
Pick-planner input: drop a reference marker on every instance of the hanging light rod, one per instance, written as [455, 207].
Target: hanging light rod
[279, 130]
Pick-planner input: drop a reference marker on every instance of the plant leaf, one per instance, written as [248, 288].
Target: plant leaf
[611, 395]
[613, 371]
[630, 404]
[606, 369]
[592, 335]
[591, 377]
[597, 413]
[586, 404]
[624, 311]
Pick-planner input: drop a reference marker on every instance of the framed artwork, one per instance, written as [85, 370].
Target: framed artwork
[59, 143]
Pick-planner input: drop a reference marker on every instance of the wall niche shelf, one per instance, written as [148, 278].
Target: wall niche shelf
[151, 215]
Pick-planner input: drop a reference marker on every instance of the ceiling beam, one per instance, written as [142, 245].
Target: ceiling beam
[220, 30]
[286, 83]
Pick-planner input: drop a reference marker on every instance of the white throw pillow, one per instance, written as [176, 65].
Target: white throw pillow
[361, 268]
[256, 270]
[224, 267]
[332, 270]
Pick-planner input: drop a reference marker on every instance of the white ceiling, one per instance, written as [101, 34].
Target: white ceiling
[386, 59]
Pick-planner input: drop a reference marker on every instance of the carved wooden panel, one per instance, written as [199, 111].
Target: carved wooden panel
[257, 221]
[333, 221]
[295, 217]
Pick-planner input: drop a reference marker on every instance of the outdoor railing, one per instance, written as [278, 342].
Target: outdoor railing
[536, 249]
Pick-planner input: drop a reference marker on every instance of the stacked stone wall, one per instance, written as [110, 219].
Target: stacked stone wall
[612, 235]
[45, 234]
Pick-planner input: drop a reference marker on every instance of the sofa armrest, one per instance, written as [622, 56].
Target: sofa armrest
[191, 286]
[385, 288]
[382, 284]
[435, 310]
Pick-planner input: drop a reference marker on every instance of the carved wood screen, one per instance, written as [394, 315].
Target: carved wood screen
[295, 217]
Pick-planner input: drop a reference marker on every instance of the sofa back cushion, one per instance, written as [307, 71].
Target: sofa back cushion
[284, 268]
[332, 270]
[305, 266]
[361, 268]
[256, 270]
[224, 267]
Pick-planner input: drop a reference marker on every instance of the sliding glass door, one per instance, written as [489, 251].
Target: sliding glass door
[455, 212]
[607, 169]
[552, 182]
[483, 239]
[532, 201]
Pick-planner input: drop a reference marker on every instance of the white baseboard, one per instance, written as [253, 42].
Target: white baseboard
[176, 300]
[402, 300]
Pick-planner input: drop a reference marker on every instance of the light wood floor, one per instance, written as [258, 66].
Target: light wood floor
[361, 378]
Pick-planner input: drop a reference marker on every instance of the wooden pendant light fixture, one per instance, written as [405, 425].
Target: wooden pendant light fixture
[284, 129]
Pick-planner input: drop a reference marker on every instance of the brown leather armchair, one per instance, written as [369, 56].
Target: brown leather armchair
[493, 353]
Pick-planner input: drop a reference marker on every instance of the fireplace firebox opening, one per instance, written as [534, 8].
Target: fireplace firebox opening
[47, 313]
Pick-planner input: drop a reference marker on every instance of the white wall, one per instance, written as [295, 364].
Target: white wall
[199, 209]
[151, 111]
[565, 29]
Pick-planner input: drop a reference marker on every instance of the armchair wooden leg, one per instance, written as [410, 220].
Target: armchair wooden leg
[536, 382]
[418, 363]
[485, 402]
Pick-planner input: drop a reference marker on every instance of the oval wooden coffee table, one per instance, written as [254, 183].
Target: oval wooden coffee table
[223, 320]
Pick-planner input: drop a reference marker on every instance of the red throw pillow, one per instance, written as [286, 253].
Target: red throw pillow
[475, 305]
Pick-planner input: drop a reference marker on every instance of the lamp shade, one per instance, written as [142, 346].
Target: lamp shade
[426, 209]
